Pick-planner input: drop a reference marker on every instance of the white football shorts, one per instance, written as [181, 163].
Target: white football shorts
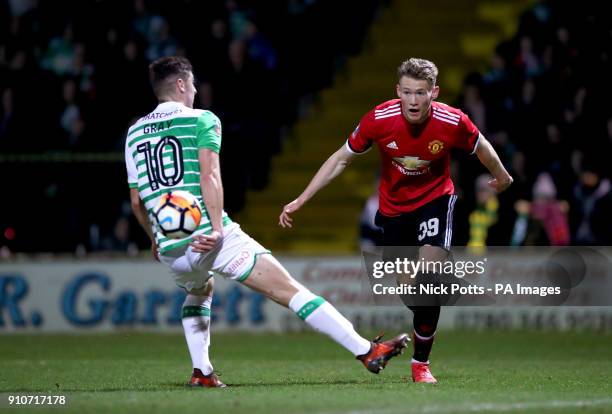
[233, 258]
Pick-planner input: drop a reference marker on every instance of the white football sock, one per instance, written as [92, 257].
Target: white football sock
[196, 324]
[323, 317]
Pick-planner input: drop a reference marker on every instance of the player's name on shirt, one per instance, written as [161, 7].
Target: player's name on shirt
[156, 127]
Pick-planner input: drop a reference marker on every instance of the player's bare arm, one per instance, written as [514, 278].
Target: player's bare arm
[330, 169]
[140, 212]
[212, 195]
[489, 158]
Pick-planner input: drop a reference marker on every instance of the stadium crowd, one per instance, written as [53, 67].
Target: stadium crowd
[73, 76]
[542, 103]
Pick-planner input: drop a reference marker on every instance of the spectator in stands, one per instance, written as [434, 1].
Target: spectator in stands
[119, 240]
[141, 22]
[83, 71]
[217, 44]
[369, 233]
[473, 103]
[237, 18]
[161, 43]
[592, 205]
[259, 47]
[59, 57]
[484, 215]
[544, 221]
[527, 60]
[71, 119]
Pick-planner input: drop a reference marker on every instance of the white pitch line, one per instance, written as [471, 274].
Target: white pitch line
[494, 407]
[497, 407]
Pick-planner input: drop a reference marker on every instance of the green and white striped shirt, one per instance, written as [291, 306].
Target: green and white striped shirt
[161, 155]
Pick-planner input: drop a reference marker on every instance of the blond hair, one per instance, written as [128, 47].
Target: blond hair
[420, 69]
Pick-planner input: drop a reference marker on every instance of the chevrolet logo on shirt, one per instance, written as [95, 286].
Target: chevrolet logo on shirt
[411, 163]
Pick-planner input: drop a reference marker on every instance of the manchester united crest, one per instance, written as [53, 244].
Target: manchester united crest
[435, 146]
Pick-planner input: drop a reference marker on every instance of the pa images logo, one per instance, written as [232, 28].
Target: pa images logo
[435, 146]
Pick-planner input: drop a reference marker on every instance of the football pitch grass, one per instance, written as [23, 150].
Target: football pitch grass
[529, 372]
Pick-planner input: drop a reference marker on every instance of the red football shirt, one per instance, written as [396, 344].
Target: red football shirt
[415, 159]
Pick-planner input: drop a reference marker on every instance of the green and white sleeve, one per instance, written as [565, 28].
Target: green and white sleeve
[208, 133]
[132, 171]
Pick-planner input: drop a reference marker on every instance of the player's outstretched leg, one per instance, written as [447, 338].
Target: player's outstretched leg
[196, 324]
[271, 279]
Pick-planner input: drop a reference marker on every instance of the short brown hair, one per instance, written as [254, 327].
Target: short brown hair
[165, 70]
[420, 69]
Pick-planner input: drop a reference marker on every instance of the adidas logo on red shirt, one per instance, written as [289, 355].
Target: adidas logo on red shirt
[392, 145]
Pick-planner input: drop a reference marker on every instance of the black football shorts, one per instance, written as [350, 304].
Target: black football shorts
[431, 224]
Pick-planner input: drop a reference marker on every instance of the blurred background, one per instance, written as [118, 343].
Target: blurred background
[290, 79]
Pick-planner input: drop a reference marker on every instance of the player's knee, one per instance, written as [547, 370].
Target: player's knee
[197, 292]
[205, 290]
